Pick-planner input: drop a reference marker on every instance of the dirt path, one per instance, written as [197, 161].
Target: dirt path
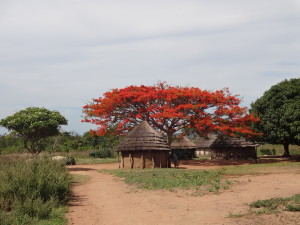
[106, 200]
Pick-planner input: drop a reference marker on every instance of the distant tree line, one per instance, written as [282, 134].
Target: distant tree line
[274, 118]
[65, 141]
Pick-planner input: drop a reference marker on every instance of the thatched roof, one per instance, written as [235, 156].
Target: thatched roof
[143, 138]
[227, 142]
[205, 142]
[183, 144]
[219, 141]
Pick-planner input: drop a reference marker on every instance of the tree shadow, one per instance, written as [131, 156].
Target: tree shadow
[215, 162]
[77, 200]
[70, 169]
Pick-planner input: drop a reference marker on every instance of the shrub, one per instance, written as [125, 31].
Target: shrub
[183, 155]
[102, 153]
[266, 151]
[70, 161]
[30, 190]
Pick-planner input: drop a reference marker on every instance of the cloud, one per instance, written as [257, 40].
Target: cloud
[61, 54]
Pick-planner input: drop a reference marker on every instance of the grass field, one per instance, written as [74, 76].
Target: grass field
[170, 179]
[278, 149]
[209, 180]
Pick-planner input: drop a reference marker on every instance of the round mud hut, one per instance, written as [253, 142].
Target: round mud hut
[203, 145]
[233, 147]
[184, 148]
[143, 147]
[220, 146]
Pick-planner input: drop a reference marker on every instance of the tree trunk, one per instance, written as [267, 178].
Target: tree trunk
[286, 150]
[169, 138]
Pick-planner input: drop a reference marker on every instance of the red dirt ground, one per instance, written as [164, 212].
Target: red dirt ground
[106, 200]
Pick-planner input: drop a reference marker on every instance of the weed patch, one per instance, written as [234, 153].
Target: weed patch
[31, 191]
[275, 205]
[169, 179]
[82, 161]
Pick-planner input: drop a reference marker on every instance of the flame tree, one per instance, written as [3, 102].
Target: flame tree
[169, 109]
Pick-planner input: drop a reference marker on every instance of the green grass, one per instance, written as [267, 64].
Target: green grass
[294, 149]
[83, 157]
[33, 191]
[274, 205]
[212, 180]
[236, 215]
[169, 179]
[263, 168]
[84, 160]
[79, 178]
[57, 217]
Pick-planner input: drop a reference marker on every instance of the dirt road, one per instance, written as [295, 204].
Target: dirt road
[106, 200]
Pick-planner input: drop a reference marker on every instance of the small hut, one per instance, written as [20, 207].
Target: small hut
[203, 145]
[219, 146]
[143, 148]
[237, 148]
[184, 148]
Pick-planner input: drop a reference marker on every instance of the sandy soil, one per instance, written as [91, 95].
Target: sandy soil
[106, 200]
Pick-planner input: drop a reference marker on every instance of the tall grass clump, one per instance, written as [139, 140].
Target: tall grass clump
[32, 190]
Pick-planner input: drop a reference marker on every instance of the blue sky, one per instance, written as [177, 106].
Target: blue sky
[60, 54]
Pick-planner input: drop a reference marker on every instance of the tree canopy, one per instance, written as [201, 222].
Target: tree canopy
[279, 113]
[169, 109]
[34, 124]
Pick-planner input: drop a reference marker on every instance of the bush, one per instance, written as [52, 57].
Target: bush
[31, 190]
[70, 161]
[266, 151]
[102, 153]
[184, 154]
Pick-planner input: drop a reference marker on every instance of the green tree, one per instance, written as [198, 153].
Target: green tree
[107, 141]
[279, 113]
[11, 143]
[34, 125]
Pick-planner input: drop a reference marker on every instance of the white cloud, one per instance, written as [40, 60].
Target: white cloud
[62, 53]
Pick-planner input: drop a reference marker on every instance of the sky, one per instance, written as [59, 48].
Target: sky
[60, 54]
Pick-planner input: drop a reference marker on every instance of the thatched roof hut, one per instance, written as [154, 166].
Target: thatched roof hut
[221, 146]
[183, 143]
[203, 144]
[184, 148]
[233, 142]
[143, 147]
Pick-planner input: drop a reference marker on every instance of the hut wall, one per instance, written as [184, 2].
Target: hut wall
[125, 163]
[183, 154]
[161, 159]
[202, 152]
[148, 159]
[234, 152]
[144, 159]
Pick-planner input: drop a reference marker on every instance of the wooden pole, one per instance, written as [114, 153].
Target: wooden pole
[131, 160]
[143, 161]
[160, 160]
[119, 160]
[167, 154]
[153, 164]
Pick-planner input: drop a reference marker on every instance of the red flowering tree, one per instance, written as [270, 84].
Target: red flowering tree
[169, 109]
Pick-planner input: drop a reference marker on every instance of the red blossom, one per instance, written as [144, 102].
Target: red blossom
[169, 109]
